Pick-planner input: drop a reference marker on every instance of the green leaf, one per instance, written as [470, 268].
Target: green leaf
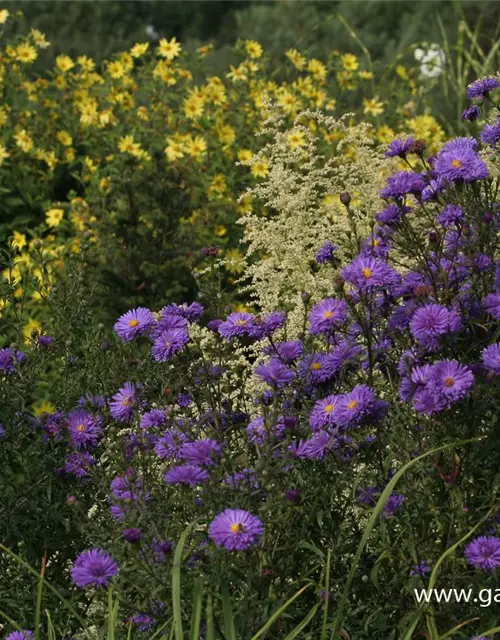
[197, 604]
[227, 611]
[176, 585]
[278, 613]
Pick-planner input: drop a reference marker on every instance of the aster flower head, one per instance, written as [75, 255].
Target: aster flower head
[20, 635]
[162, 550]
[352, 408]
[168, 343]
[287, 352]
[93, 568]
[392, 214]
[491, 358]
[492, 305]
[491, 133]
[236, 530]
[123, 402]
[201, 452]
[403, 183]
[134, 323]
[266, 326]
[471, 113]
[170, 443]
[484, 552]
[451, 215]
[188, 474]
[316, 368]
[395, 502]
[275, 373]
[421, 569]
[399, 148]
[191, 312]
[7, 361]
[153, 418]
[480, 88]
[450, 381]
[132, 535]
[323, 413]
[367, 273]
[237, 324]
[429, 322]
[79, 463]
[258, 432]
[458, 161]
[83, 428]
[314, 448]
[327, 315]
[326, 252]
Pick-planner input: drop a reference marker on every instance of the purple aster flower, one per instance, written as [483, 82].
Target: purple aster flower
[399, 147]
[266, 326]
[132, 535]
[326, 252]
[236, 529]
[20, 635]
[482, 262]
[367, 496]
[168, 343]
[314, 448]
[93, 568]
[367, 273]
[191, 312]
[142, 620]
[395, 502]
[429, 322]
[491, 133]
[458, 161]
[450, 381]
[287, 352]
[7, 361]
[83, 428]
[492, 305]
[246, 477]
[353, 407]
[79, 463]
[169, 322]
[322, 414]
[214, 325]
[162, 550]
[201, 452]
[436, 186]
[378, 244]
[183, 399]
[275, 373]
[481, 88]
[170, 443]
[2, 431]
[95, 401]
[258, 432]
[153, 418]
[123, 402]
[451, 215]
[403, 183]
[188, 474]
[345, 354]
[134, 323]
[238, 324]
[392, 214]
[327, 315]
[484, 552]
[316, 368]
[491, 358]
[421, 569]
[44, 341]
[471, 113]
[128, 488]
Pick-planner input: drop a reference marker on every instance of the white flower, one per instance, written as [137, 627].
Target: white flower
[432, 60]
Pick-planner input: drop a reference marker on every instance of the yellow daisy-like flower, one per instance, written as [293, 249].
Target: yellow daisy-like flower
[23, 140]
[350, 62]
[289, 102]
[142, 113]
[87, 64]
[105, 185]
[64, 63]
[26, 53]
[193, 107]
[245, 204]
[296, 58]
[126, 144]
[220, 230]
[19, 240]
[226, 134]
[385, 134]
[254, 49]
[204, 50]
[65, 138]
[196, 147]
[4, 14]
[139, 49]
[371, 106]
[116, 69]
[237, 74]
[29, 327]
[260, 169]
[174, 150]
[4, 154]
[296, 139]
[43, 406]
[365, 75]
[169, 49]
[317, 69]
[39, 39]
[53, 217]
[244, 155]
[234, 261]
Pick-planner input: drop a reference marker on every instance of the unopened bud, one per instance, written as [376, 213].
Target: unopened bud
[345, 198]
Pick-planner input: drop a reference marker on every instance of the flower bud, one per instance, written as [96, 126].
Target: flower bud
[345, 198]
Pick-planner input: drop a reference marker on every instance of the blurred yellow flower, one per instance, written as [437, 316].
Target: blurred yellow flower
[139, 49]
[4, 14]
[39, 39]
[87, 64]
[169, 49]
[53, 217]
[260, 169]
[385, 134]
[245, 204]
[296, 139]
[174, 150]
[237, 73]
[317, 69]
[296, 58]
[350, 62]
[371, 106]
[26, 53]
[19, 240]
[196, 146]
[23, 140]
[105, 184]
[29, 327]
[64, 138]
[43, 406]
[244, 155]
[4, 154]
[116, 69]
[64, 63]
[365, 75]
[254, 49]
[220, 230]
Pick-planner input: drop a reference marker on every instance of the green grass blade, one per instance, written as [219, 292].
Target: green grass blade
[111, 615]
[327, 595]
[373, 518]
[210, 619]
[409, 634]
[160, 629]
[490, 632]
[176, 585]
[302, 625]
[51, 633]
[451, 632]
[10, 621]
[278, 613]
[227, 611]
[129, 632]
[39, 596]
[197, 605]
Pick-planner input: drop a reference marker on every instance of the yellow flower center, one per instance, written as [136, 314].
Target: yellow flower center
[316, 365]
[327, 314]
[456, 163]
[237, 527]
[353, 404]
[329, 408]
[133, 323]
[80, 427]
[240, 322]
[367, 272]
[449, 382]
[126, 402]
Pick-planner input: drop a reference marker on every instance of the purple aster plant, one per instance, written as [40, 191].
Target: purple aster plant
[471, 113]
[123, 402]
[327, 315]
[458, 161]
[191, 312]
[236, 530]
[399, 148]
[326, 252]
[316, 368]
[84, 428]
[153, 418]
[79, 464]
[367, 273]
[201, 452]
[134, 323]
[93, 568]
[491, 133]
[491, 358]
[450, 381]
[403, 183]
[20, 635]
[275, 373]
[484, 552]
[451, 215]
[7, 361]
[238, 324]
[481, 88]
[421, 569]
[188, 474]
[492, 305]
[168, 343]
[322, 414]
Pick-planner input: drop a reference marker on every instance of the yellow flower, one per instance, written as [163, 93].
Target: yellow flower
[196, 147]
[105, 185]
[193, 107]
[23, 140]
[237, 74]
[163, 71]
[65, 138]
[218, 186]
[254, 49]
[174, 150]
[371, 106]
[350, 62]
[39, 39]
[127, 61]
[204, 50]
[19, 240]
[385, 134]
[220, 230]
[234, 261]
[296, 58]
[260, 169]
[244, 155]
[317, 69]
[365, 75]
[245, 204]
[69, 154]
[126, 144]
[226, 133]
[26, 53]
[402, 72]
[289, 102]
[296, 139]
[43, 406]
[64, 63]
[142, 113]
[4, 154]
[29, 327]
[116, 69]
[169, 49]
[87, 64]
[53, 217]
[4, 14]
[139, 49]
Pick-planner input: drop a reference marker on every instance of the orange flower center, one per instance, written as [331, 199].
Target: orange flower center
[126, 402]
[133, 323]
[367, 272]
[316, 365]
[329, 408]
[328, 314]
[456, 163]
[353, 404]
[80, 427]
[237, 527]
[449, 381]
